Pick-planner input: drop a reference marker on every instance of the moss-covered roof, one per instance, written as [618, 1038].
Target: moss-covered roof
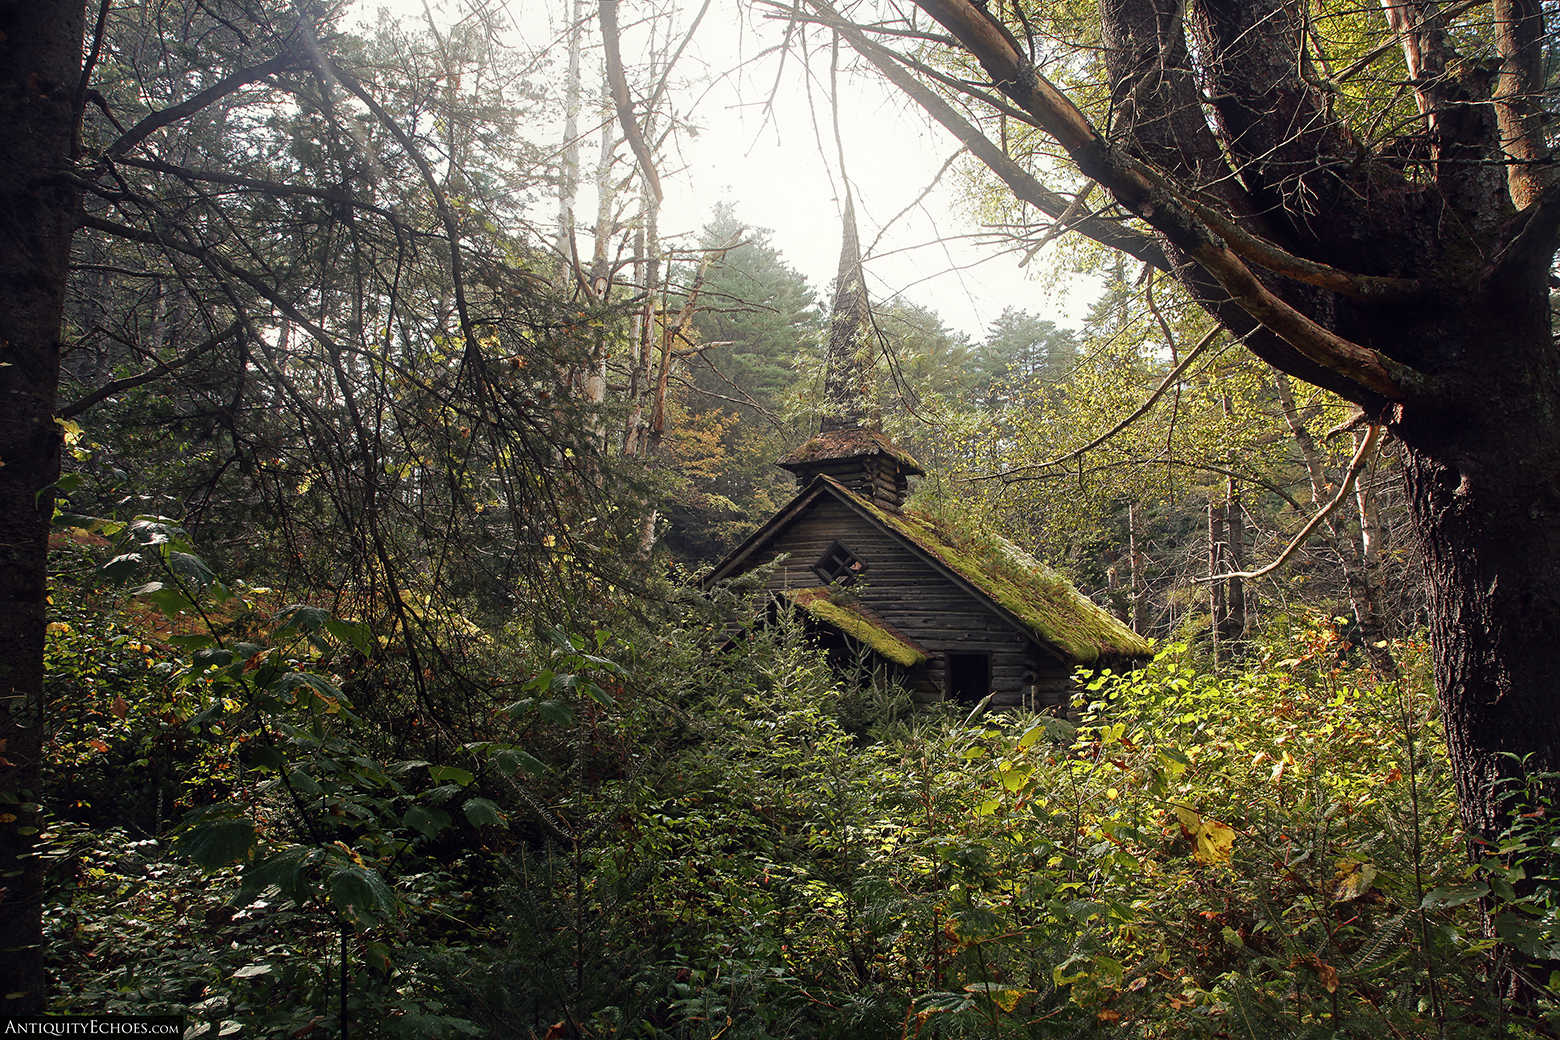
[1039, 597]
[849, 444]
[871, 631]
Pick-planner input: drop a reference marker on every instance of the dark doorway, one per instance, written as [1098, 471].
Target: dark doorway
[969, 677]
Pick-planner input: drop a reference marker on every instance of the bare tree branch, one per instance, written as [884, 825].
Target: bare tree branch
[152, 374]
[1356, 465]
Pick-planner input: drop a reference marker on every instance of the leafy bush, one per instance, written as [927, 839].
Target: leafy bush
[662, 834]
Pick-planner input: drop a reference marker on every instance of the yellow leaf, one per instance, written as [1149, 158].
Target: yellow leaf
[1212, 842]
[1356, 880]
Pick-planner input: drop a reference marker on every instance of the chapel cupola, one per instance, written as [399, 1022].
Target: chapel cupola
[851, 446]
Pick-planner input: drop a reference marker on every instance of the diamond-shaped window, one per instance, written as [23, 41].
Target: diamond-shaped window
[839, 565]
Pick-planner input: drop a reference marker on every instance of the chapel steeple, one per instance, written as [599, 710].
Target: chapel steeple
[851, 446]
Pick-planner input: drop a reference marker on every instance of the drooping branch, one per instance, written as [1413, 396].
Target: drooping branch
[165, 117]
[618, 83]
[1019, 180]
[1356, 465]
[1372, 375]
[1265, 254]
[276, 189]
[1141, 410]
[152, 374]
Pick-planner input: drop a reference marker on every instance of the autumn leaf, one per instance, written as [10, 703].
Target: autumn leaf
[1005, 997]
[1212, 842]
[1354, 881]
[119, 708]
[1326, 974]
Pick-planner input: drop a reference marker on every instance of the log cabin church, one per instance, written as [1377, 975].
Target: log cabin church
[953, 618]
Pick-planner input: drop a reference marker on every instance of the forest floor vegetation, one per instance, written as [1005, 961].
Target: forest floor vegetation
[648, 836]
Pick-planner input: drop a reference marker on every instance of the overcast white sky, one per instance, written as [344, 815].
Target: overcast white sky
[777, 177]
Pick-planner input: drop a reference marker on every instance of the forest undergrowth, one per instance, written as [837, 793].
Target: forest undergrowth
[653, 832]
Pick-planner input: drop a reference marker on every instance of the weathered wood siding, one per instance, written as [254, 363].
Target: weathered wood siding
[877, 478]
[923, 604]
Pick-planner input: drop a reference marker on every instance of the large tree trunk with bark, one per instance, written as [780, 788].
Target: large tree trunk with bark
[40, 65]
[1484, 489]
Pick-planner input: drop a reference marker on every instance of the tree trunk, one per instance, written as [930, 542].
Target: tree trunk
[1483, 483]
[1135, 538]
[1235, 561]
[1218, 616]
[40, 64]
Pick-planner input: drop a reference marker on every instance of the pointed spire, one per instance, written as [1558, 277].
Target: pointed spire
[851, 447]
[848, 386]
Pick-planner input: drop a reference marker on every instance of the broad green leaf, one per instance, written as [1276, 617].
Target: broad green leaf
[361, 892]
[301, 781]
[1014, 778]
[359, 637]
[300, 617]
[287, 682]
[443, 793]
[191, 568]
[262, 756]
[120, 567]
[90, 524]
[212, 657]
[511, 760]
[481, 811]
[218, 843]
[428, 819]
[67, 483]
[285, 870]
[556, 712]
[249, 971]
[454, 774]
[169, 601]
[1448, 896]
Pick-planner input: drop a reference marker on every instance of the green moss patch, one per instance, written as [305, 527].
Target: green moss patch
[870, 632]
[1044, 600]
[849, 444]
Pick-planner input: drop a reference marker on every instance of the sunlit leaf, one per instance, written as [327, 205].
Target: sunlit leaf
[1212, 842]
[1356, 881]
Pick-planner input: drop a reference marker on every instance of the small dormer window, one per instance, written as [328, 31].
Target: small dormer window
[839, 565]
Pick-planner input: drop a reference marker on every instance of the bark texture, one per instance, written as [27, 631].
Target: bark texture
[40, 64]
